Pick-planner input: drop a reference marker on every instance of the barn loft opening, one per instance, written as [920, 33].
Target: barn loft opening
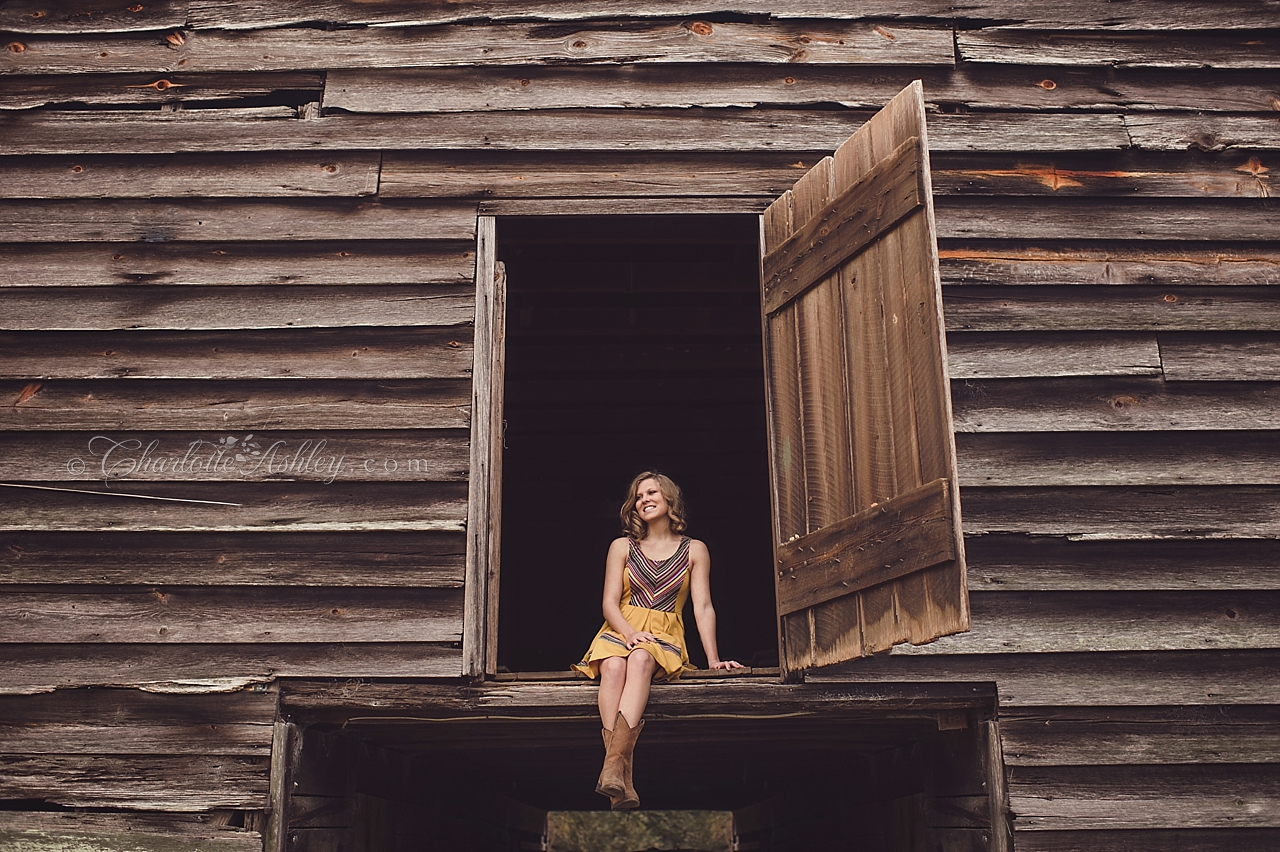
[632, 343]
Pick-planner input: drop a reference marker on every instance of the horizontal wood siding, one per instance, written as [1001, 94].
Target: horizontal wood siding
[248, 230]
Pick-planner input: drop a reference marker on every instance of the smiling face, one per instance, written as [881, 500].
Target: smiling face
[651, 497]
[651, 503]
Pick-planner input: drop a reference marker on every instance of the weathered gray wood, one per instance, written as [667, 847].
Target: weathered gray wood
[1188, 512]
[1060, 622]
[1152, 50]
[1151, 840]
[1019, 355]
[247, 405]
[119, 89]
[191, 175]
[1117, 679]
[1024, 563]
[1232, 796]
[1077, 308]
[1091, 737]
[1066, 405]
[1190, 133]
[180, 615]
[300, 49]
[419, 560]
[1237, 176]
[139, 457]
[126, 832]
[218, 668]
[294, 354]
[1135, 265]
[289, 507]
[237, 264]
[1220, 357]
[166, 221]
[87, 16]
[1102, 458]
[160, 783]
[217, 308]
[129, 721]
[712, 84]
[1110, 219]
[109, 132]
[286, 749]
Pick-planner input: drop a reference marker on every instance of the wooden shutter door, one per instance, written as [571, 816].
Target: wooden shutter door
[867, 541]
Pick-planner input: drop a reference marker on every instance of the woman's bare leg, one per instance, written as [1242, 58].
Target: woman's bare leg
[613, 677]
[635, 692]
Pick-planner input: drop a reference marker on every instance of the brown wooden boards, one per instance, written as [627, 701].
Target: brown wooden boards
[866, 523]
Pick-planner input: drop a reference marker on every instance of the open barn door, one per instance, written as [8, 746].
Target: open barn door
[867, 541]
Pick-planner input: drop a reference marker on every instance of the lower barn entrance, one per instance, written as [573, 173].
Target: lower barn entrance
[394, 767]
[632, 343]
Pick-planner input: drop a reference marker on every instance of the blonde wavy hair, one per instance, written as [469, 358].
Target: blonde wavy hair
[633, 526]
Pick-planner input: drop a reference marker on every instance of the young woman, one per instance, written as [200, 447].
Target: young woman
[649, 574]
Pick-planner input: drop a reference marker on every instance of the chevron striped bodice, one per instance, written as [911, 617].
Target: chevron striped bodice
[656, 585]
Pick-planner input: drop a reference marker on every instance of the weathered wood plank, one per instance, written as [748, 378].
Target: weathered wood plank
[277, 354]
[120, 89]
[1026, 563]
[1112, 219]
[1115, 679]
[1026, 354]
[213, 615]
[235, 507]
[1083, 404]
[990, 87]
[1220, 357]
[91, 16]
[108, 132]
[302, 49]
[138, 457]
[247, 405]
[1077, 736]
[1140, 266]
[28, 831]
[1108, 307]
[1203, 133]
[1152, 840]
[1132, 458]
[1096, 797]
[1132, 49]
[129, 721]
[1186, 512]
[420, 560]
[26, 221]
[161, 783]
[120, 307]
[1062, 622]
[352, 173]
[205, 668]
[237, 264]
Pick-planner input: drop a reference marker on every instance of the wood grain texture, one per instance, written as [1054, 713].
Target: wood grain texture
[207, 669]
[1109, 512]
[290, 507]
[136, 832]
[1187, 266]
[1220, 357]
[147, 89]
[1113, 404]
[366, 559]
[220, 405]
[1203, 133]
[292, 354]
[1008, 355]
[1151, 840]
[209, 220]
[1111, 219]
[1133, 49]
[1232, 176]
[1223, 796]
[191, 176]
[89, 16]
[207, 615]
[270, 128]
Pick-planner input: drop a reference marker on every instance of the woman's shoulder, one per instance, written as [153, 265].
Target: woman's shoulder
[622, 542]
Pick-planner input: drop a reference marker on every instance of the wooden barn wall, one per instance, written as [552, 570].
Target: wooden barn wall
[252, 225]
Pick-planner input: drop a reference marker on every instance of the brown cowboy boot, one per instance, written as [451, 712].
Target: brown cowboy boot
[615, 776]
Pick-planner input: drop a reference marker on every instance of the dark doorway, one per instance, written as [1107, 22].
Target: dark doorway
[632, 343]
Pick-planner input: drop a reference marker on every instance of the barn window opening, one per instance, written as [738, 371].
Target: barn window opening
[631, 343]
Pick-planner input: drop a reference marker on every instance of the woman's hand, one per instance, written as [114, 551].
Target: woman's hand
[727, 664]
[640, 636]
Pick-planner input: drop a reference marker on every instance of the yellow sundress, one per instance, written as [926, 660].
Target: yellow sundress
[653, 597]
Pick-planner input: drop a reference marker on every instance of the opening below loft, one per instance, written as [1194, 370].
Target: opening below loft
[631, 343]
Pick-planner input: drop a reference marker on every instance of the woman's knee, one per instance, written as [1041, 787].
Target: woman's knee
[613, 668]
[641, 662]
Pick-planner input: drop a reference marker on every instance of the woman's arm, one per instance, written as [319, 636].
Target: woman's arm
[703, 612]
[614, 565]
